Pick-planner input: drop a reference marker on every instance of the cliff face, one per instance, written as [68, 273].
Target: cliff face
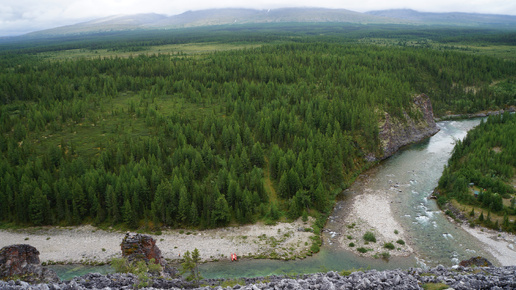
[395, 133]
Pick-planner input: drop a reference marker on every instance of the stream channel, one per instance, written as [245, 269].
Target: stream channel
[416, 170]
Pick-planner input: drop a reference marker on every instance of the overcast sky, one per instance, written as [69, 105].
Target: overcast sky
[22, 16]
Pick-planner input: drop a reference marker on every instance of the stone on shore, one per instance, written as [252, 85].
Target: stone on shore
[22, 262]
[138, 247]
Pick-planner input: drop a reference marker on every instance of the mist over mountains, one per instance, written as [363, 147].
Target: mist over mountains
[235, 16]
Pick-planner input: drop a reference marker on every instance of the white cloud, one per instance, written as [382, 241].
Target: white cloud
[21, 16]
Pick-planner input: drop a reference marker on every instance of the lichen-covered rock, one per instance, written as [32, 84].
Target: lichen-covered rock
[141, 247]
[476, 261]
[138, 247]
[22, 262]
[398, 132]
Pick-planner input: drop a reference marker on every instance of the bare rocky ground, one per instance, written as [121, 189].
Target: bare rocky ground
[438, 278]
[370, 211]
[500, 244]
[87, 244]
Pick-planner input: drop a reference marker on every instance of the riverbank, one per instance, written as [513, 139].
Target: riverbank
[90, 245]
[481, 114]
[369, 210]
[501, 245]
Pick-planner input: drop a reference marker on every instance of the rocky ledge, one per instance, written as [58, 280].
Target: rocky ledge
[398, 132]
[457, 277]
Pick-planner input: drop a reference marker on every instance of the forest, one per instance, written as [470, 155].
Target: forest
[481, 173]
[207, 140]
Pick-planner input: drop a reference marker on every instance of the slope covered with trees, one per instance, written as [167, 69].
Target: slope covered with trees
[206, 140]
[481, 173]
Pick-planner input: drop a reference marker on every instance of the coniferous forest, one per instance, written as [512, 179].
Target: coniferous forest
[210, 139]
[481, 173]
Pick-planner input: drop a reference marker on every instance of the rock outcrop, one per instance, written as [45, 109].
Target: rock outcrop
[138, 247]
[141, 247]
[22, 262]
[396, 133]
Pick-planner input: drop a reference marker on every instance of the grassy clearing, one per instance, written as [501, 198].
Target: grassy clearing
[505, 52]
[188, 49]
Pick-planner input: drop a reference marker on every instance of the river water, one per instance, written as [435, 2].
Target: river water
[416, 170]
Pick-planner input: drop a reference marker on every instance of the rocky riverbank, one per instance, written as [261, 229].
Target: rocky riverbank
[90, 245]
[456, 277]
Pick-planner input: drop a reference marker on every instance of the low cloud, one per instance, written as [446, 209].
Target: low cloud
[23, 16]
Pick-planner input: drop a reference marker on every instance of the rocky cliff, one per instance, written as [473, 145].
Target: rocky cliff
[398, 132]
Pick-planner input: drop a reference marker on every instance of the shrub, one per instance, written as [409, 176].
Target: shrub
[362, 250]
[401, 242]
[389, 246]
[369, 236]
[122, 265]
[352, 244]
[385, 255]
[304, 216]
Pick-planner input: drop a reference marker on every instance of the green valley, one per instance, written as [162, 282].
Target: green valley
[209, 127]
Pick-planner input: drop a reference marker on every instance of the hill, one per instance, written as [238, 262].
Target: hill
[239, 16]
[452, 18]
[218, 17]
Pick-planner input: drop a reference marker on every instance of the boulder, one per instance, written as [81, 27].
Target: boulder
[21, 262]
[138, 247]
[476, 261]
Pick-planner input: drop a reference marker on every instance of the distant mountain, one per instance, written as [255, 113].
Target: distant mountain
[239, 16]
[451, 18]
[229, 16]
[217, 17]
[111, 23]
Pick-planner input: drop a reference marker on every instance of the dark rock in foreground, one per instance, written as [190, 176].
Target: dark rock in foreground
[457, 278]
[22, 262]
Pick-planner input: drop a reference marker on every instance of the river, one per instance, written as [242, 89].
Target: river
[436, 240]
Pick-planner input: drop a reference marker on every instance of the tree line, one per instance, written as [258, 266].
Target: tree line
[484, 162]
[204, 141]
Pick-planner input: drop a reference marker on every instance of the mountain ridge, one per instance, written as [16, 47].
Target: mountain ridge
[235, 16]
[453, 18]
